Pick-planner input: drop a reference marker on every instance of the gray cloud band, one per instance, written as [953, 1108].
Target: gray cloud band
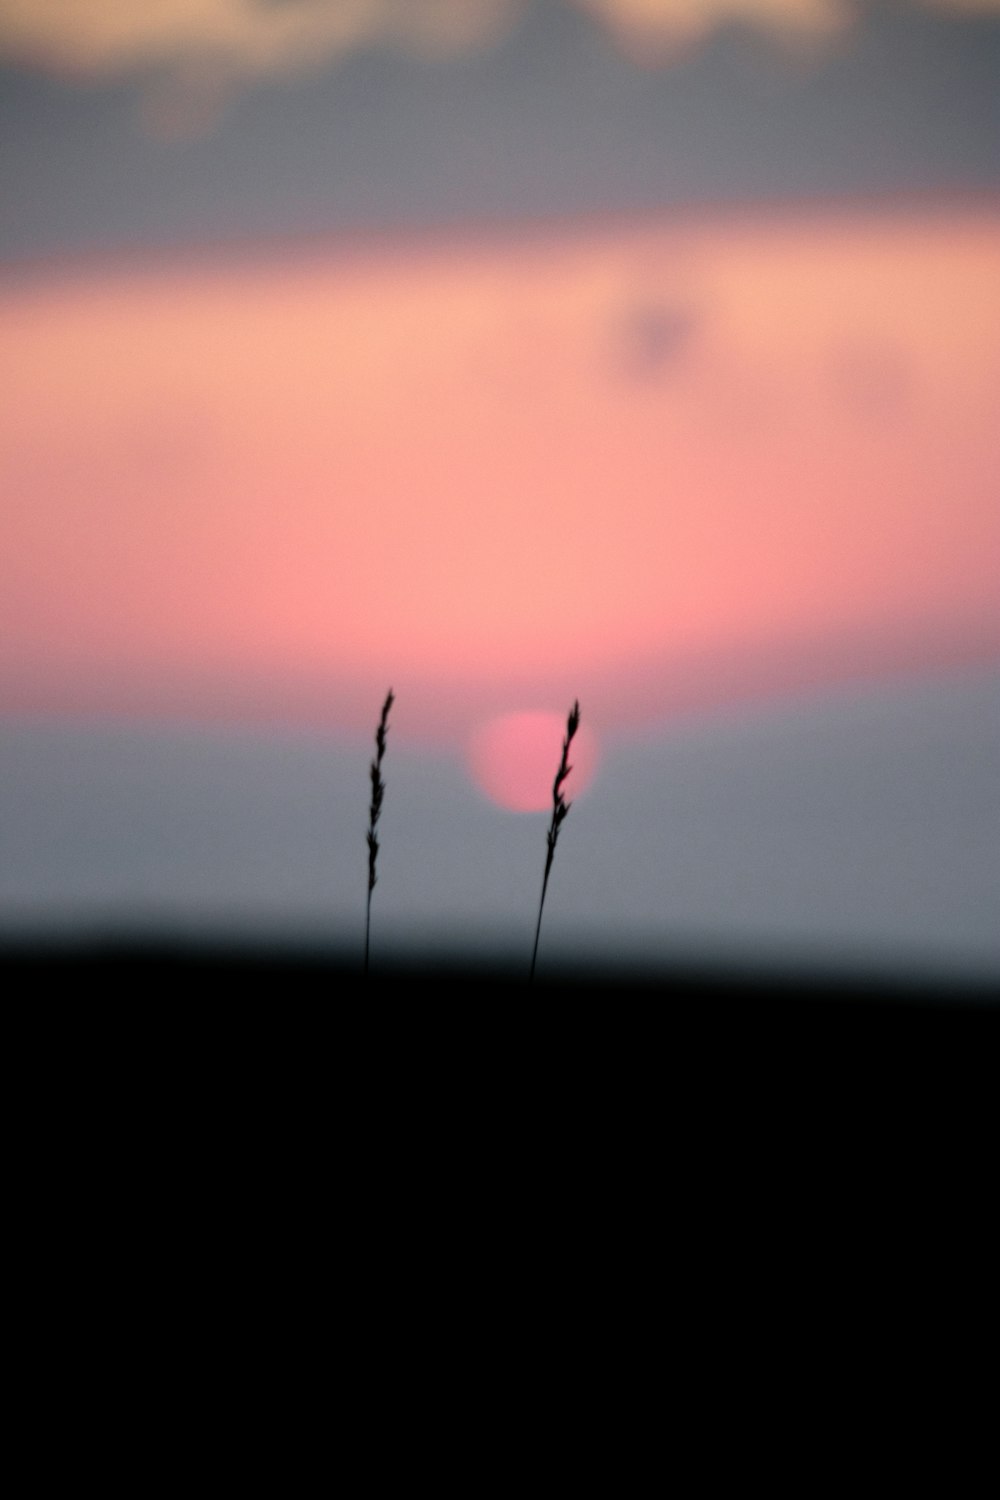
[244, 39]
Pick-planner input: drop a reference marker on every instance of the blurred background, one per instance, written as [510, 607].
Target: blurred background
[504, 352]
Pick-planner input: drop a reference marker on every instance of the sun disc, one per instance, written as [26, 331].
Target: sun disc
[514, 758]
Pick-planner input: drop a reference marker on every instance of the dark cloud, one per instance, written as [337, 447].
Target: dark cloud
[650, 339]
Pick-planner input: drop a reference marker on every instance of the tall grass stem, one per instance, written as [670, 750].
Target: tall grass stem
[374, 813]
[560, 808]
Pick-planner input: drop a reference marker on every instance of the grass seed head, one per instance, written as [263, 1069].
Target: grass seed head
[375, 810]
[560, 808]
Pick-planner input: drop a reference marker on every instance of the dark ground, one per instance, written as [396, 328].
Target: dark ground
[739, 1121]
[104, 969]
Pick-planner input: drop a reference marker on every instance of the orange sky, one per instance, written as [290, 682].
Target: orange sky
[623, 456]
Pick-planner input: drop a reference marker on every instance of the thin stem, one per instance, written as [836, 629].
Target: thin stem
[538, 924]
[374, 813]
[560, 808]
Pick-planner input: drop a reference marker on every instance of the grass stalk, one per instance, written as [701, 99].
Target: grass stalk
[374, 813]
[560, 808]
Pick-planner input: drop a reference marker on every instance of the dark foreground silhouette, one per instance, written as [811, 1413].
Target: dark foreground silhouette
[686, 1089]
[183, 970]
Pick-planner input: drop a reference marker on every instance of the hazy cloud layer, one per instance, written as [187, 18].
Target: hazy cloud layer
[656, 30]
[258, 38]
[245, 37]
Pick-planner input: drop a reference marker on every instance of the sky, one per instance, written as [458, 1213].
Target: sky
[508, 352]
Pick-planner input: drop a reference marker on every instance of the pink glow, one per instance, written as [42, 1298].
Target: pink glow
[514, 757]
[646, 462]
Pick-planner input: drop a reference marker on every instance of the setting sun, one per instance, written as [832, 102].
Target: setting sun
[514, 757]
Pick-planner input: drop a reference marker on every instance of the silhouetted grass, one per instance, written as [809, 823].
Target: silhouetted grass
[560, 808]
[374, 813]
